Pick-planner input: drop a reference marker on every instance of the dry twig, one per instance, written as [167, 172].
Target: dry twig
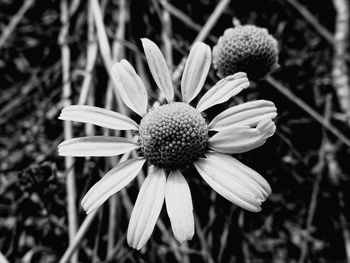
[7, 31]
[203, 33]
[324, 32]
[318, 171]
[175, 12]
[78, 237]
[340, 74]
[166, 36]
[91, 57]
[299, 102]
[68, 129]
[118, 53]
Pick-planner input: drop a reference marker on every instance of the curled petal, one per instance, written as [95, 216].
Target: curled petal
[96, 146]
[98, 116]
[130, 87]
[224, 181]
[243, 138]
[242, 174]
[223, 90]
[196, 71]
[249, 175]
[179, 206]
[158, 68]
[115, 180]
[246, 114]
[147, 208]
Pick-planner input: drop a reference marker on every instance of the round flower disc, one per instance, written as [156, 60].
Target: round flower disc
[173, 136]
[248, 49]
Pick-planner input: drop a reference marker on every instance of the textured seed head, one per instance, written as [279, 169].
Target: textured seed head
[173, 135]
[248, 49]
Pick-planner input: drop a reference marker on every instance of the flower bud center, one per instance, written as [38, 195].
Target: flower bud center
[173, 135]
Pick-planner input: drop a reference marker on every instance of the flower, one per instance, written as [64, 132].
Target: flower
[171, 138]
[245, 48]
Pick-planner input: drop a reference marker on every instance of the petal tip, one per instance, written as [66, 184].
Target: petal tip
[132, 242]
[145, 40]
[257, 210]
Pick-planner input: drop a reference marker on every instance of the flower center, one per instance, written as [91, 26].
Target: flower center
[173, 135]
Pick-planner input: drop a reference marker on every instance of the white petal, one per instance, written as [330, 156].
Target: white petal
[98, 116]
[243, 175]
[223, 181]
[115, 180]
[196, 71]
[223, 90]
[179, 206]
[246, 114]
[243, 138]
[249, 173]
[158, 68]
[130, 87]
[96, 146]
[147, 208]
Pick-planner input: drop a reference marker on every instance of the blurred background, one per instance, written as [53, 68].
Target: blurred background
[56, 53]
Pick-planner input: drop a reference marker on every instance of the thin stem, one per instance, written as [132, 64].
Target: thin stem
[344, 226]
[68, 129]
[78, 237]
[299, 102]
[318, 170]
[7, 31]
[340, 77]
[213, 18]
[91, 58]
[166, 37]
[312, 20]
[105, 48]
[205, 248]
[117, 53]
[184, 18]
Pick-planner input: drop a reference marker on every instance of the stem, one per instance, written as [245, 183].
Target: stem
[166, 36]
[213, 18]
[7, 31]
[340, 78]
[91, 57]
[324, 122]
[184, 18]
[312, 20]
[78, 237]
[318, 170]
[68, 129]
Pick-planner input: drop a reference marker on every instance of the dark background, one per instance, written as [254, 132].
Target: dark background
[304, 220]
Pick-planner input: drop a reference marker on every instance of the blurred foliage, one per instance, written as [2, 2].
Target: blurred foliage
[33, 220]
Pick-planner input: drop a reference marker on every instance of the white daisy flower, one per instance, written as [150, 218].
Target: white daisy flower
[173, 137]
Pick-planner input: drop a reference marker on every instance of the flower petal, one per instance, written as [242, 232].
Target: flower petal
[130, 87]
[249, 174]
[147, 208]
[179, 206]
[115, 180]
[223, 181]
[196, 71]
[96, 146]
[223, 90]
[242, 174]
[98, 116]
[243, 138]
[246, 114]
[158, 68]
